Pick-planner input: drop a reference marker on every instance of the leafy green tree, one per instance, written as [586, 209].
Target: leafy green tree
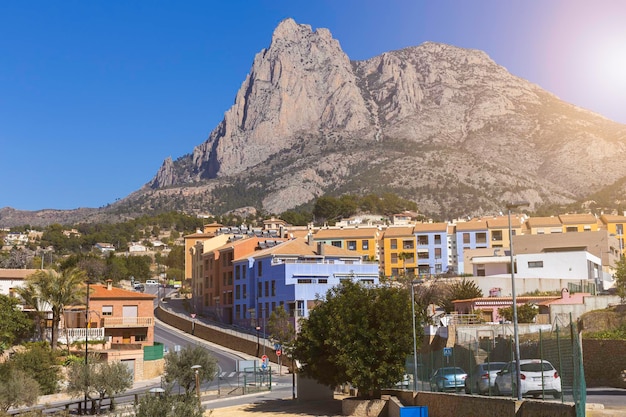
[168, 405]
[176, 258]
[297, 218]
[459, 290]
[620, 278]
[178, 366]
[16, 388]
[59, 289]
[14, 324]
[526, 313]
[40, 363]
[104, 378]
[280, 328]
[358, 334]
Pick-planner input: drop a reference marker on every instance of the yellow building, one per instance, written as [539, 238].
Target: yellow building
[579, 222]
[398, 251]
[615, 226]
[543, 226]
[190, 242]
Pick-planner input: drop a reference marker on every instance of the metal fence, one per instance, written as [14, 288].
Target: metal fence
[558, 344]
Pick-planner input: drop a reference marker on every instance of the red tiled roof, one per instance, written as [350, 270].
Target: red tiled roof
[99, 291]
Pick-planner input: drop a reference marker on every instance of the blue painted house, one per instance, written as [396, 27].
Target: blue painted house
[294, 274]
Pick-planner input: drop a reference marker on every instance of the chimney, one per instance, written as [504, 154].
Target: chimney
[309, 239]
[320, 248]
[109, 284]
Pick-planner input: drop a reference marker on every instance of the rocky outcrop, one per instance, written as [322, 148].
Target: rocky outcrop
[165, 175]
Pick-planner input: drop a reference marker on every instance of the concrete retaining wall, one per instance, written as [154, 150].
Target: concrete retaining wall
[453, 405]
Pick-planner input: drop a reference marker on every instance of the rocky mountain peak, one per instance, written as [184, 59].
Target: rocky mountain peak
[165, 176]
[303, 82]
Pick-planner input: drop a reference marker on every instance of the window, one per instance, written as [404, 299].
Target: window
[365, 244]
[245, 291]
[571, 229]
[394, 243]
[535, 264]
[260, 290]
[407, 244]
[305, 281]
[496, 235]
[466, 238]
[481, 237]
[336, 243]
[322, 281]
[437, 253]
[351, 244]
[273, 288]
[260, 269]
[267, 288]
[140, 338]
[394, 258]
[237, 311]
[437, 239]
[237, 272]
[107, 310]
[237, 292]
[230, 278]
[422, 255]
[422, 240]
[243, 272]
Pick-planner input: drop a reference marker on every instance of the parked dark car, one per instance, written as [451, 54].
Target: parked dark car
[482, 378]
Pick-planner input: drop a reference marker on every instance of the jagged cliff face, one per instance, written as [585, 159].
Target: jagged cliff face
[444, 126]
[441, 125]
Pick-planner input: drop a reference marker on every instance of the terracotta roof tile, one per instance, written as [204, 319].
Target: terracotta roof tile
[99, 291]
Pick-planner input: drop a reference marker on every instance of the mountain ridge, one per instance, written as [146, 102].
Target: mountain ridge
[444, 126]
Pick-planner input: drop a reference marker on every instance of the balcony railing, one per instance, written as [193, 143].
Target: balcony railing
[77, 334]
[128, 322]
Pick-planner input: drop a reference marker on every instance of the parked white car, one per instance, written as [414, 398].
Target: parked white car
[537, 377]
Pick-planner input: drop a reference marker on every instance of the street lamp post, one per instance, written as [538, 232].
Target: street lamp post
[86, 345]
[518, 376]
[196, 369]
[414, 337]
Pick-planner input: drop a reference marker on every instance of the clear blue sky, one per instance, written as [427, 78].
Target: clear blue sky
[94, 95]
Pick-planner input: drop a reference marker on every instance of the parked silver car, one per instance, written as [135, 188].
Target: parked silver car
[448, 378]
[482, 378]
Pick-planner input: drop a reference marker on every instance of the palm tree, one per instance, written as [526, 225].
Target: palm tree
[30, 297]
[404, 256]
[59, 289]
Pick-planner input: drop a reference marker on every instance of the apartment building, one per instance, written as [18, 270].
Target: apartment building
[432, 248]
[399, 255]
[362, 240]
[293, 274]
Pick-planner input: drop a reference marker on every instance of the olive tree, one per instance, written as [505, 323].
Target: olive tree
[16, 388]
[178, 366]
[358, 334]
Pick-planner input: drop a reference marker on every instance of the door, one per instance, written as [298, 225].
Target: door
[130, 364]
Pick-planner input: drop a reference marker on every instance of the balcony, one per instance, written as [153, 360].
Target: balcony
[117, 322]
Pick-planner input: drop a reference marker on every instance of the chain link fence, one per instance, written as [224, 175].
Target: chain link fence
[483, 347]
